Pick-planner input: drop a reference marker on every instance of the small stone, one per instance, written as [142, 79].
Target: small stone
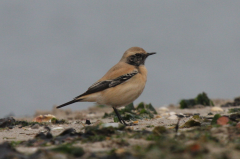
[44, 118]
[235, 117]
[27, 150]
[120, 151]
[57, 128]
[10, 127]
[91, 115]
[173, 117]
[188, 114]
[121, 108]
[114, 125]
[216, 109]
[35, 126]
[180, 115]
[163, 109]
[135, 122]
[88, 122]
[223, 120]
[4, 122]
[172, 113]
[98, 122]
[165, 114]
[238, 125]
[195, 147]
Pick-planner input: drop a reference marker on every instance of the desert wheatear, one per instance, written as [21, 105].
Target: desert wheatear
[121, 85]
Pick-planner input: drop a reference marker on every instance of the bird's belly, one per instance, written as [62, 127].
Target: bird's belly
[123, 94]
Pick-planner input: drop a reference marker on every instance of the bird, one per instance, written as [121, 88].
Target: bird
[121, 85]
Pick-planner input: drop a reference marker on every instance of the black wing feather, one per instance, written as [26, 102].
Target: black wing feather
[122, 79]
[102, 85]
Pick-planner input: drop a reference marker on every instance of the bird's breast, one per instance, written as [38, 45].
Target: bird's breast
[126, 92]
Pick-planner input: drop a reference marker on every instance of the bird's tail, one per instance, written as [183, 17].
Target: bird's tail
[70, 102]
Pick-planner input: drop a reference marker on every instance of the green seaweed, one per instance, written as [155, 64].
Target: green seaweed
[26, 123]
[187, 103]
[196, 117]
[158, 130]
[190, 123]
[129, 107]
[201, 99]
[234, 110]
[215, 118]
[99, 132]
[150, 126]
[57, 121]
[142, 111]
[151, 108]
[69, 149]
[140, 106]
[15, 143]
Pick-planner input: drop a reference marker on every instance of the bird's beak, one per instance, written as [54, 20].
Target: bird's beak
[151, 53]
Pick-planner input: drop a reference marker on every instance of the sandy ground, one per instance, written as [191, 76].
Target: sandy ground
[95, 114]
[166, 116]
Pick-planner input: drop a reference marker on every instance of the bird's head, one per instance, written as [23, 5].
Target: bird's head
[135, 56]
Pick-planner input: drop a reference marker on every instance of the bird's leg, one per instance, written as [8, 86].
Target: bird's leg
[119, 117]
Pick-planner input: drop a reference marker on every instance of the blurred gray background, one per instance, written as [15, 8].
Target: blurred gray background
[52, 51]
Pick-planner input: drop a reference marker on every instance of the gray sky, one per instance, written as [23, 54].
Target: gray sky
[52, 51]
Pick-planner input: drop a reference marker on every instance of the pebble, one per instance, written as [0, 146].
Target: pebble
[44, 118]
[91, 115]
[163, 109]
[88, 122]
[165, 114]
[135, 122]
[157, 116]
[120, 151]
[216, 109]
[35, 126]
[172, 117]
[115, 125]
[57, 128]
[238, 125]
[235, 117]
[172, 113]
[27, 150]
[98, 122]
[180, 115]
[223, 120]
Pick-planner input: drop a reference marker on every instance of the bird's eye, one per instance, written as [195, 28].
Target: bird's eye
[131, 58]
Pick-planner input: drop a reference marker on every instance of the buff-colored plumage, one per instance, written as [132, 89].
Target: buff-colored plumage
[121, 85]
[124, 93]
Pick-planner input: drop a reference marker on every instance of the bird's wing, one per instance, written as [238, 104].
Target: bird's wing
[102, 85]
